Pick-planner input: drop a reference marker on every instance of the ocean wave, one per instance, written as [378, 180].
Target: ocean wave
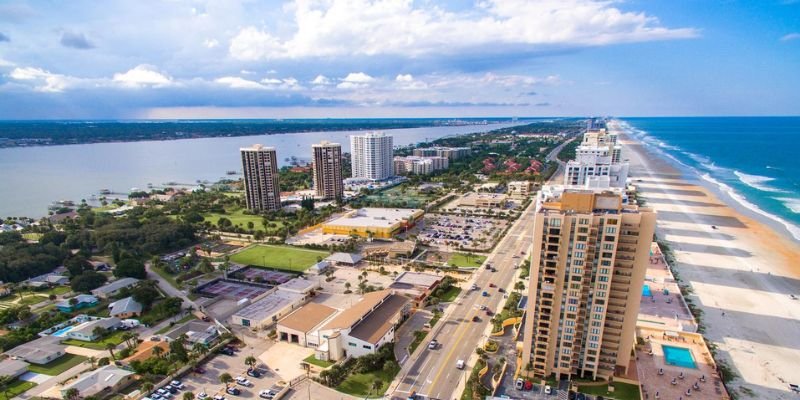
[790, 203]
[757, 182]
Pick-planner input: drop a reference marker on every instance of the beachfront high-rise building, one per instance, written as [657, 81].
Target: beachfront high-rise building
[371, 156]
[327, 166]
[419, 165]
[597, 162]
[260, 168]
[590, 254]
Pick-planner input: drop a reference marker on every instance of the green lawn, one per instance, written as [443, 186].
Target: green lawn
[15, 388]
[181, 321]
[240, 219]
[279, 257]
[419, 336]
[622, 391]
[450, 294]
[320, 363]
[31, 236]
[360, 385]
[114, 338]
[57, 366]
[463, 260]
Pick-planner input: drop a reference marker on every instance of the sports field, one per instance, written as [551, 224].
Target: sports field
[279, 257]
[240, 219]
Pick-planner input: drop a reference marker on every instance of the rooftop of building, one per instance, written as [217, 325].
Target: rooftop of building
[39, 348]
[350, 316]
[257, 147]
[372, 328]
[377, 217]
[298, 285]
[307, 317]
[326, 143]
[194, 330]
[417, 279]
[116, 285]
[126, 305]
[268, 305]
[346, 258]
[99, 379]
[12, 367]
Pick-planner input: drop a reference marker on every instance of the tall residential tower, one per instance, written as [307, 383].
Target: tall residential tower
[590, 254]
[260, 168]
[371, 155]
[327, 167]
[597, 161]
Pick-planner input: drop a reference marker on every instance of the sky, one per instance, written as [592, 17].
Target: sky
[397, 58]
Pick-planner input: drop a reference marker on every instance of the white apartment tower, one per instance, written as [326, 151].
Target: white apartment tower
[327, 166]
[260, 168]
[371, 156]
[597, 162]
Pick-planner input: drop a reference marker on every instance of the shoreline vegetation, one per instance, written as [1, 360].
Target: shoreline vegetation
[55, 133]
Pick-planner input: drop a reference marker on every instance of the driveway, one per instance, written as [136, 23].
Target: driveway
[285, 358]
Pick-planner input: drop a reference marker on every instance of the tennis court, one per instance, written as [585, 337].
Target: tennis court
[231, 290]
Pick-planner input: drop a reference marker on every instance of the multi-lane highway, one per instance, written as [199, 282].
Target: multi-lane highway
[433, 373]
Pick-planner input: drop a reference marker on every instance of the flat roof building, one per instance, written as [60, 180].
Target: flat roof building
[381, 223]
[416, 285]
[260, 170]
[300, 326]
[268, 310]
[13, 368]
[113, 288]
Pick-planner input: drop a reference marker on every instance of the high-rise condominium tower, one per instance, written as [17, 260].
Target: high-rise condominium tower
[327, 167]
[590, 254]
[260, 168]
[597, 161]
[371, 156]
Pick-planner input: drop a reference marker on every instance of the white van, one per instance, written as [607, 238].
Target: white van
[460, 364]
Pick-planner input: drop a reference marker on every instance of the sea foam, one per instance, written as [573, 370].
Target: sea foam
[757, 182]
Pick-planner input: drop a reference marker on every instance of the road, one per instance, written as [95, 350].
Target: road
[433, 373]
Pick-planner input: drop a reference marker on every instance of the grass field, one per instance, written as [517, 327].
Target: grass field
[320, 363]
[57, 366]
[279, 257]
[462, 260]
[15, 388]
[360, 385]
[114, 338]
[622, 391]
[240, 219]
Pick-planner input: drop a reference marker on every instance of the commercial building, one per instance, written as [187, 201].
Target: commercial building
[364, 327]
[590, 254]
[382, 223]
[113, 288]
[419, 165]
[371, 156]
[520, 188]
[597, 162]
[451, 153]
[100, 382]
[302, 325]
[327, 168]
[416, 285]
[260, 169]
[484, 200]
[268, 310]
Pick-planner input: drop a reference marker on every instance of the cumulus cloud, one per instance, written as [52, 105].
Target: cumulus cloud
[211, 43]
[4, 37]
[790, 37]
[236, 82]
[43, 81]
[321, 80]
[142, 75]
[404, 78]
[355, 80]
[397, 27]
[76, 40]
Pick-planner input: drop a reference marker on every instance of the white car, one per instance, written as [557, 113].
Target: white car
[460, 364]
[266, 394]
[242, 381]
[548, 389]
[202, 395]
[164, 393]
[219, 397]
[177, 384]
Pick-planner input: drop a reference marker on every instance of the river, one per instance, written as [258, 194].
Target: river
[31, 178]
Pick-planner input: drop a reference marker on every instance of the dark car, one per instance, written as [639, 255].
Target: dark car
[254, 373]
[200, 370]
[227, 351]
[476, 319]
[232, 390]
[501, 290]
[489, 312]
[171, 389]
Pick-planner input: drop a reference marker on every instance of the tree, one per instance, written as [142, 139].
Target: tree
[147, 386]
[87, 281]
[188, 396]
[72, 394]
[177, 351]
[5, 382]
[130, 267]
[158, 351]
[250, 361]
[145, 295]
[225, 378]
[99, 332]
[92, 360]
[110, 347]
[199, 349]
[376, 385]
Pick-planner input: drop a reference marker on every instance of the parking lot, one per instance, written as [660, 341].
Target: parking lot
[450, 232]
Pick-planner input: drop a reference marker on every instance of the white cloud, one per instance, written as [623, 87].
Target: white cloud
[790, 37]
[355, 80]
[399, 27]
[142, 75]
[211, 43]
[321, 80]
[6, 63]
[236, 82]
[44, 81]
[404, 78]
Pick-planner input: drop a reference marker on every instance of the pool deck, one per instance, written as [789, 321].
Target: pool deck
[654, 310]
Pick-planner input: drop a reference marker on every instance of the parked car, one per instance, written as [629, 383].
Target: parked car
[171, 389]
[199, 370]
[266, 394]
[492, 285]
[476, 319]
[489, 312]
[519, 384]
[233, 390]
[227, 351]
[485, 294]
[202, 395]
[528, 385]
[164, 393]
[253, 372]
[219, 397]
[242, 381]
[177, 384]
[501, 290]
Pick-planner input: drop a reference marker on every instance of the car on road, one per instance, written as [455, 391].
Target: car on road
[492, 285]
[233, 390]
[242, 381]
[476, 319]
[433, 345]
[485, 294]
[501, 290]
[482, 307]
[489, 312]
[548, 389]
[519, 384]
[460, 364]
[473, 287]
[219, 397]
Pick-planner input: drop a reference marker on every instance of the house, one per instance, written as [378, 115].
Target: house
[300, 326]
[364, 327]
[40, 351]
[52, 278]
[100, 382]
[100, 265]
[113, 288]
[87, 331]
[60, 218]
[13, 368]
[346, 259]
[196, 332]
[416, 285]
[82, 301]
[268, 310]
[125, 308]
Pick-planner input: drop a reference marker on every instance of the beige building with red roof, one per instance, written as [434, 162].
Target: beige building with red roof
[302, 325]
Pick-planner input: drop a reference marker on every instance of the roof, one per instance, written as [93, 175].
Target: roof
[126, 305]
[97, 380]
[12, 367]
[41, 348]
[116, 285]
[269, 305]
[375, 217]
[194, 330]
[56, 278]
[347, 258]
[372, 328]
[417, 279]
[82, 298]
[87, 328]
[307, 317]
[350, 316]
[299, 285]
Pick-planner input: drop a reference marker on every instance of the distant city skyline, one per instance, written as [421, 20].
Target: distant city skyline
[309, 59]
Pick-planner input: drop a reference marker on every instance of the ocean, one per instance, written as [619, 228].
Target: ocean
[752, 159]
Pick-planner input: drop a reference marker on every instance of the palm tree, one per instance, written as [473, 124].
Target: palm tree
[199, 349]
[158, 351]
[225, 378]
[110, 347]
[250, 361]
[92, 361]
[147, 386]
[127, 336]
[72, 394]
[376, 385]
[188, 396]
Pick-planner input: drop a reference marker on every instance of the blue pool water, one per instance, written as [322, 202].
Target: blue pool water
[61, 332]
[679, 356]
[646, 291]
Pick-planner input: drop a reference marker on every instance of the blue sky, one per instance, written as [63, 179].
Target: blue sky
[359, 58]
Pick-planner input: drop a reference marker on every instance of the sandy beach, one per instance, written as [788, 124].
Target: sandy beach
[742, 275]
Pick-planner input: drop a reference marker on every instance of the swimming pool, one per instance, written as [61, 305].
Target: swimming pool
[679, 356]
[646, 291]
[62, 332]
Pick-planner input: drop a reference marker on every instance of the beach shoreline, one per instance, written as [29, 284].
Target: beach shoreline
[740, 270]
